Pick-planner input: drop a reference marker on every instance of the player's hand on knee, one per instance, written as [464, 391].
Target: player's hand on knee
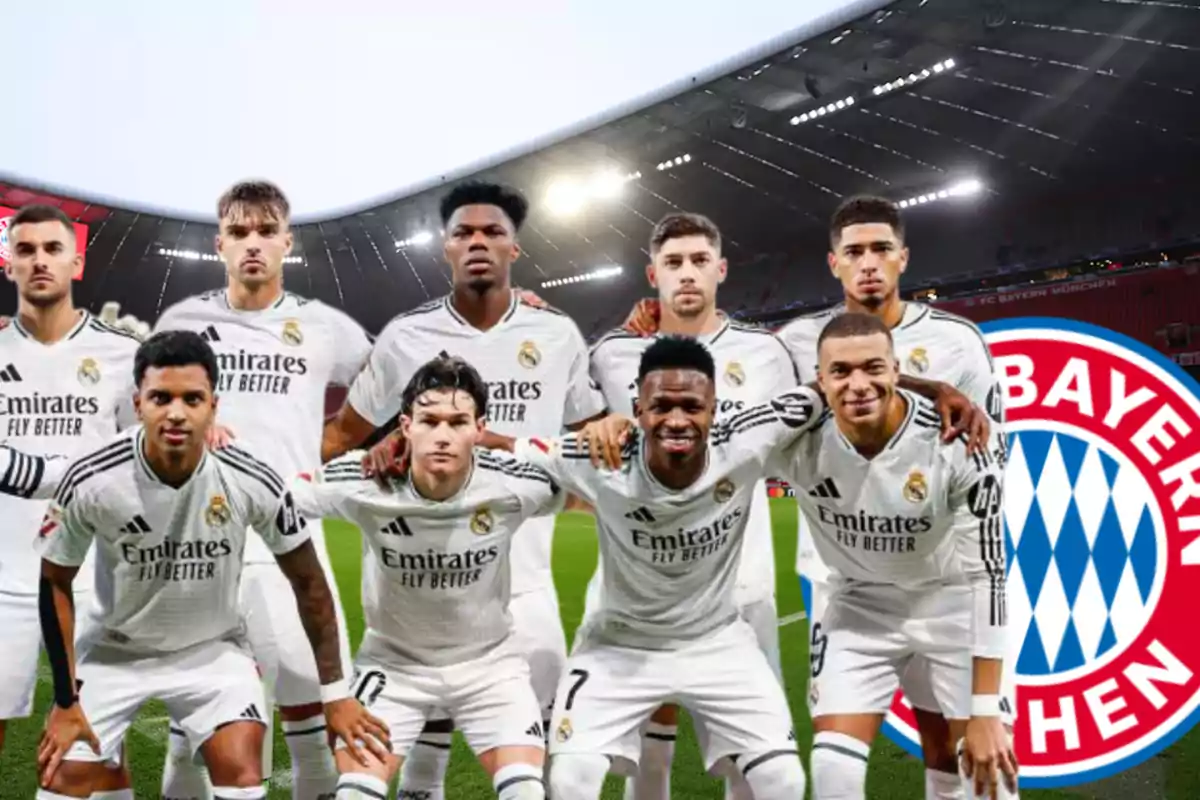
[606, 438]
[347, 720]
[219, 437]
[388, 459]
[64, 727]
[643, 319]
[987, 756]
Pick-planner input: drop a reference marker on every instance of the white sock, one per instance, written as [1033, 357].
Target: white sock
[42, 794]
[774, 776]
[115, 794]
[360, 786]
[519, 782]
[653, 781]
[839, 767]
[239, 792]
[576, 776]
[423, 775]
[184, 776]
[314, 774]
[943, 785]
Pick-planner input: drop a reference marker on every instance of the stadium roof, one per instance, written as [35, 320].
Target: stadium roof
[1077, 120]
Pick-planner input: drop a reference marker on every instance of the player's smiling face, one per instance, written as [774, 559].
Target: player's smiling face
[43, 262]
[686, 271]
[868, 259]
[253, 241]
[480, 246]
[444, 428]
[858, 375]
[675, 412]
[177, 407]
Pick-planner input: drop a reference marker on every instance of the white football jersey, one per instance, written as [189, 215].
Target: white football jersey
[931, 344]
[670, 557]
[535, 363]
[275, 365]
[752, 367]
[916, 514]
[60, 399]
[168, 560]
[440, 584]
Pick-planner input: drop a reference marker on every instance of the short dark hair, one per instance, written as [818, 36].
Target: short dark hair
[676, 352]
[852, 323]
[258, 195]
[175, 349]
[865, 210]
[481, 193]
[446, 372]
[678, 224]
[34, 213]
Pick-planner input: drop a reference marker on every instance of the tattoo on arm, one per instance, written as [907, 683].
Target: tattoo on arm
[315, 601]
[56, 606]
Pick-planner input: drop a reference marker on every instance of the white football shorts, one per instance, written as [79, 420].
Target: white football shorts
[538, 633]
[22, 636]
[203, 688]
[723, 680]
[276, 634]
[489, 699]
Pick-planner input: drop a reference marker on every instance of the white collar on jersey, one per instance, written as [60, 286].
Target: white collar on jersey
[412, 489]
[224, 300]
[643, 454]
[140, 454]
[84, 318]
[448, 302]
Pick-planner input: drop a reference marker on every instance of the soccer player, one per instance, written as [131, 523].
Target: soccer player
[868, 255]
[438, 638]
[535, 363]
[66, 388]
[912, 532]
[667, 627]
[277, 352]
[752, 367]
[169, 521]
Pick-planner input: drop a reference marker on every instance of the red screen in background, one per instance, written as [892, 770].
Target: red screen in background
[81, 233]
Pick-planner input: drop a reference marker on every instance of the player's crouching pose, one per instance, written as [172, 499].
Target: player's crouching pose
[911, 529]
[438, 640]
[667, 629]
[169, 520]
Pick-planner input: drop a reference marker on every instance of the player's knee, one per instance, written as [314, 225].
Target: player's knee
[75, 778]
[577, 776]
[839, 767]
[256, 792]
[774, 776]
[519, 782]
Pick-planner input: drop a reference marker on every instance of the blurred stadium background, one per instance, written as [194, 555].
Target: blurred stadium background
[1042, 149]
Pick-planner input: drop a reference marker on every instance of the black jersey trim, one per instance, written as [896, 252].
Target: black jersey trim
[24, 474]
[103, 327]
[97, 463]
[241, 460]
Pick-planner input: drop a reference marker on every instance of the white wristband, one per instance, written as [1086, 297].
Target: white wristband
[985, 705]
[332, 692]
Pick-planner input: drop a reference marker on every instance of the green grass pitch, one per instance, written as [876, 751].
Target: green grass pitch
[893, 775]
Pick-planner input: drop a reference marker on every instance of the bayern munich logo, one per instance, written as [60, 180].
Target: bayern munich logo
[5, 252]
[1102, 528]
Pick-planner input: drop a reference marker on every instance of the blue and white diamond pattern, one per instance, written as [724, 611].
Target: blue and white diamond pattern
[1083, 549]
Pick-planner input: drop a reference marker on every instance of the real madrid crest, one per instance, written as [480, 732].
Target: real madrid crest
[918, 360]
[916, 489]
[723, 490]
[735, 376]
[217, 513]
[528, 355]
[565, 731]
[481, 522]
[291, 333]
[89, 372]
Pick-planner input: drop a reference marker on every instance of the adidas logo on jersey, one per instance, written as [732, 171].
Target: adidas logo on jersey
[135, 525]
[10, 375]
[826, 488]
[397, 527]
[210, 334]
[535, 730]
[251, 713]
[641, 514]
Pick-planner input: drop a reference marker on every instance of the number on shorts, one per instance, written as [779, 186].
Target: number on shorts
[816, 650]
[581, 676]
[369, 686]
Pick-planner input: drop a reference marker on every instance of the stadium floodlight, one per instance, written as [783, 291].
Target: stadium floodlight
[418, 239]
[566, 197]
[964, 188]
[599, 273]
[914, 77]
[606, 185]
[195, 255]
[674, 162]
[840, 105]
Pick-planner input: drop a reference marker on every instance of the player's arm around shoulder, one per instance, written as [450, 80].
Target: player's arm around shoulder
[565, 459]
[30, 476]
[374, 396]
[767, 428]
[328, 492]
[534, 490]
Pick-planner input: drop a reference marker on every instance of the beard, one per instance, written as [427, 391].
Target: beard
[46, 299]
